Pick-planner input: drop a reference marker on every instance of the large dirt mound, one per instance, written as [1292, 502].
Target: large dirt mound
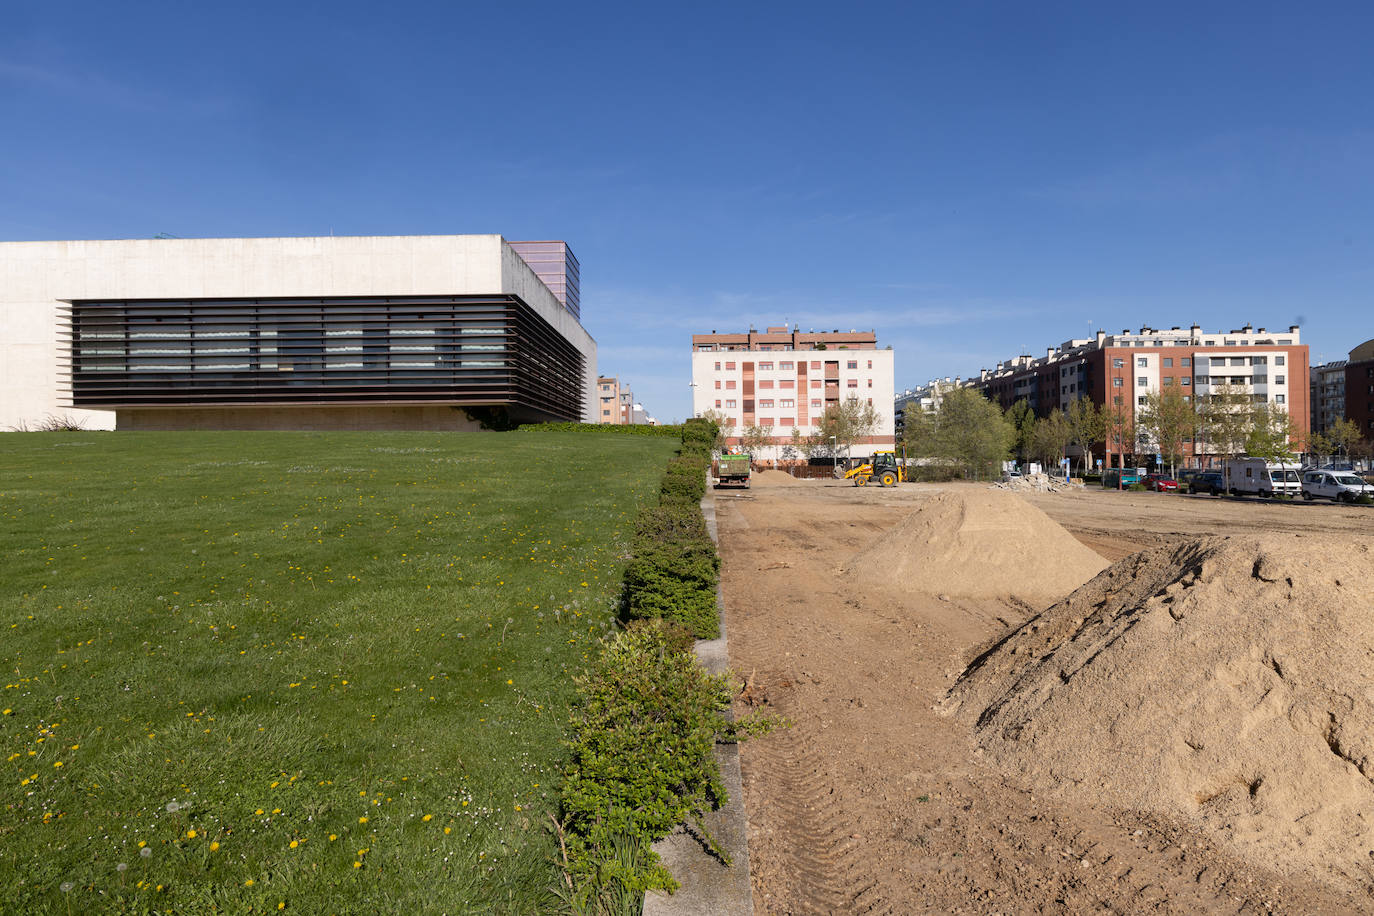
[978, 543]
[1228, 680]
[774, 478]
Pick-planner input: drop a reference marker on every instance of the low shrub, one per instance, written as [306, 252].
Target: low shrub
[641, 761]
[1137, 487]
[676, 582]
[682, 488]
[616, 429]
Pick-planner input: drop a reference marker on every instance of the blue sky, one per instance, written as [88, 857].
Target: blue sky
[970, 180]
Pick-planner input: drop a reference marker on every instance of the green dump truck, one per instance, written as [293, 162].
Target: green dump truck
[733, 471]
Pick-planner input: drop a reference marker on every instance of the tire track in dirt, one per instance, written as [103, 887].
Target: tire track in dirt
[809, 850]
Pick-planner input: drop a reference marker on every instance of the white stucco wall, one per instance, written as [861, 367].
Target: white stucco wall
[36, 276]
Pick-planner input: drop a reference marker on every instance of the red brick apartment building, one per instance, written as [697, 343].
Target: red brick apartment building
[1118, 371]
[784, 378]
[1359, 388]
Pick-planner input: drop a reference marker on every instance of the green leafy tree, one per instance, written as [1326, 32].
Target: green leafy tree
[971, 432]
[1271, 433]
[1342, 434]
[1088, 422]
[1320, 446]
[1022, 419]
[919, 432]
[1225, 418]
[755, 439]
[1050, 438]
[1168, 421]
[1118, 428]
[848, 421]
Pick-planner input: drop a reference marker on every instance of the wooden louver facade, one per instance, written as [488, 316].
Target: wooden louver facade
[479, 351]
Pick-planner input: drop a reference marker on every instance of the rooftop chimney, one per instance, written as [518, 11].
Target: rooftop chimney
[1101, 337]
[1293, 329]
[1049, 351]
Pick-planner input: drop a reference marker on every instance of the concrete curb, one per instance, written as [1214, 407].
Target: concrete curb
[710, 888]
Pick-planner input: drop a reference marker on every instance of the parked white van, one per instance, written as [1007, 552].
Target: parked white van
[1334, 485]
[1255, 476]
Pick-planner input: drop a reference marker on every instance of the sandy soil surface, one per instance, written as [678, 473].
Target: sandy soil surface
[874, 802]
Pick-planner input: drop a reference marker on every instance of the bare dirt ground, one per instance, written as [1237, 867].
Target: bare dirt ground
[872, 802]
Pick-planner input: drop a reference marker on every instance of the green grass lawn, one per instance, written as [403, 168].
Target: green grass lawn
[326, 670]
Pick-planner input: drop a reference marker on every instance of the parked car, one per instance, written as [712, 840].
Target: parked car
[1111, 477]
[1334, 485]
[1207, 482]
[1160, 483]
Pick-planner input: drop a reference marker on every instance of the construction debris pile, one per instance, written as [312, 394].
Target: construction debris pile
[1224, 680]
[1042, 483]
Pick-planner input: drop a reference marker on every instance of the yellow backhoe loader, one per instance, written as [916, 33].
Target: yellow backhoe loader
[883, 467]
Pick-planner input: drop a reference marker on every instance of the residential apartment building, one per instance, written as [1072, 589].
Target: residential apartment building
[394, 332]
[616, 404]
[1359, 388]
[608, 400]
[1327, 393]
[783, 379]
[1119, 371]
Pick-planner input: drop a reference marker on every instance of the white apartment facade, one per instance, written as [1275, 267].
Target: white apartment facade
[783, 380]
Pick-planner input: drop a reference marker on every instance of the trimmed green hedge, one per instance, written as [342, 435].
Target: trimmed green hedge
[618, 429]
[641, 760]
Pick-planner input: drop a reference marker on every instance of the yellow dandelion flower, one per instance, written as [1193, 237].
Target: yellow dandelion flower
[58, 764]
[248, 883]
[276, 811]
[357, 865]
[9, 712]
[448, 830]
[427, 817]
[259, 811]
[191, 833]
[274, 785]
[362, 820]
[517, 807]
[214, 846]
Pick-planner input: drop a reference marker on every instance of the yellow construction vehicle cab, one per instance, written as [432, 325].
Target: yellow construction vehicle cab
[883, 466]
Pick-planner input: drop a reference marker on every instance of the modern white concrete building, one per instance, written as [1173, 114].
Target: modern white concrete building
[403, 332]
[783, 379]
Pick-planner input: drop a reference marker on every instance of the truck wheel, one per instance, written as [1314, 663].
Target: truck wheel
[1307, 496]
[861, 481]
[888, 479]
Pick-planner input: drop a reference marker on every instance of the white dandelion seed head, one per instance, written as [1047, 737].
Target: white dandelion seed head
[122, 866]
[66, 887]
[146, 852]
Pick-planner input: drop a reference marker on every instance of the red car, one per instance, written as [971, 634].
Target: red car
[1160, 483]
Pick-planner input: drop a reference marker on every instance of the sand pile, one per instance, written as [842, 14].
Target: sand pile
[978, 543]
[1227, 680]
[774, 478]
[1041, 483]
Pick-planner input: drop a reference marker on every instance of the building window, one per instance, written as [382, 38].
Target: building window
[1168, 381]
[1118, 362]
[766, 366]
[1116, 383]
[1185, 381]
[870, 364]
[787, 402]
[765, 402]
[815, 383]
[717, 367]
[1142, 361]
[853, 383]
[717, 403]
[787, 421]
[870, 383]
[1168, 362]
[815, 364]
[1259, 361]
[730, 384]
[1278, 379]
[786, 366]
[765, 383]
[1218, 360]
[1238, 360]
[1186, 361]
[851, 364]
[1117, 400]
[607, 413]
[1140, 401]
[815, 402]
[1278, 360]
[765, 421]
[787, 383]
[717, 384]
[1142, 382]
[730, 403]
[1278, 399]
[729, 365]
